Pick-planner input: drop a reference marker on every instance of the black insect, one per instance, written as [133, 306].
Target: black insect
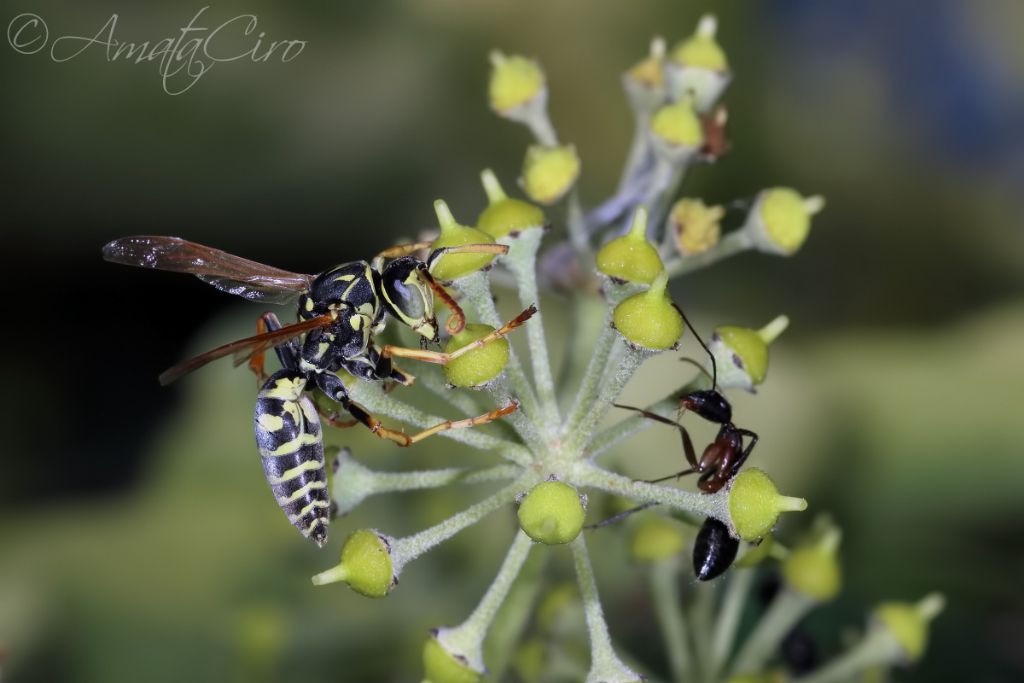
[340, 312]
[719, 463]
[714, 550]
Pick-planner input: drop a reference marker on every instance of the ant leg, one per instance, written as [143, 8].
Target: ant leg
[746, 451]
[440, 358]
[619, 517]
[691, 455]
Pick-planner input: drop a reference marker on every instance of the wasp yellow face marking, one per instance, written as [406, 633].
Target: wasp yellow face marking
[309, 304]
[271, 423]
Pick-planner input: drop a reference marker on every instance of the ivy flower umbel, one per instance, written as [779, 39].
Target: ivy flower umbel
[547, 461]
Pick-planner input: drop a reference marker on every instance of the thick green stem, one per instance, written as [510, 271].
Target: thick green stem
[605, 665]
[467, 639]
[588, 318]
[433, 380]
[511, 621]
[625, 363]
[664, 577]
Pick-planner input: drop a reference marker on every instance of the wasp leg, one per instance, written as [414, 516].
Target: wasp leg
[496, 249]
[291, 448]
[457, 320]
[400, 250]
[440, 358]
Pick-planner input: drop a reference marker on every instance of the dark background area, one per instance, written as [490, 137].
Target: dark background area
[906, 300]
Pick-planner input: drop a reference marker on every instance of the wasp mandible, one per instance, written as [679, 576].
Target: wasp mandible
[340, 311]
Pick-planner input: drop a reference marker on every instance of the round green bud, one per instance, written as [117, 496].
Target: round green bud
[515, 81]
[677, 125]
[701, 49]
[781, 220]
[657, 538]
[741, 354]
[504, 216]
[549, 172]
[365, 565]
[631, 257]
[552, 513]
[650, 319]
[755, 504]
[479, 366]
[696, 226]
[440, 666]
[908, 623]
[453, 266]
[814, 569]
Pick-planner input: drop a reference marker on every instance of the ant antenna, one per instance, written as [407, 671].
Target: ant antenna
[714, 365]
[701, 368]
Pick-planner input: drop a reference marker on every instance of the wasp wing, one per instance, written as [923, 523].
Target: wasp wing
[243, 349]
[227, 272]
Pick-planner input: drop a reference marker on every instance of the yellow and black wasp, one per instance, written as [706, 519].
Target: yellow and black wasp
[340, 312]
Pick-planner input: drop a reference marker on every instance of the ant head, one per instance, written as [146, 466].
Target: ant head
[408, 298]
[710, 405]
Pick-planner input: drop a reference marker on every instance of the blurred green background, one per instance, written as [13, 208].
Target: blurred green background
[137, 540]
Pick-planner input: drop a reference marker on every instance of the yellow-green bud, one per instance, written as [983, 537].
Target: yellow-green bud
[755, 504]
[813, 569]
[479, 366]
[697, 226]
[657, 538]
[453, 266]
[365, 565]
[650, 319]
[781, 219]
[515, 82]
[552, 513]
[741, 354]
[631, 257]
[697, 66]
[504, 216]
[549, 172]
[645, 81]
[440, 666]
[701, 49]
[908, 623]
[677, 126]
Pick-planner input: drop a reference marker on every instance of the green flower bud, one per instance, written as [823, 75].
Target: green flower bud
[645, 82]
[813, 569]
[365, 565]
[504, 216]
[549, 172]
[479, 366]
[697, 227]
[698, 66]
[631, 257]
[552, 513]
[650, 319]
[781, 219]
[741, 354]
[453, 266]
[515, 82]
[678, 128]
[441, 666]
[755, 504]
[908, 623]
[657, 538]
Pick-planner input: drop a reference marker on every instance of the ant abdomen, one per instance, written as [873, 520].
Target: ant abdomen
[714, 550]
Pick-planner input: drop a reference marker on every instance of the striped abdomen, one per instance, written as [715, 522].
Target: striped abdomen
[292, 450]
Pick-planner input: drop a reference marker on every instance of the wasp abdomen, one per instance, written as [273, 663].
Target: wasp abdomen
[291, 447]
